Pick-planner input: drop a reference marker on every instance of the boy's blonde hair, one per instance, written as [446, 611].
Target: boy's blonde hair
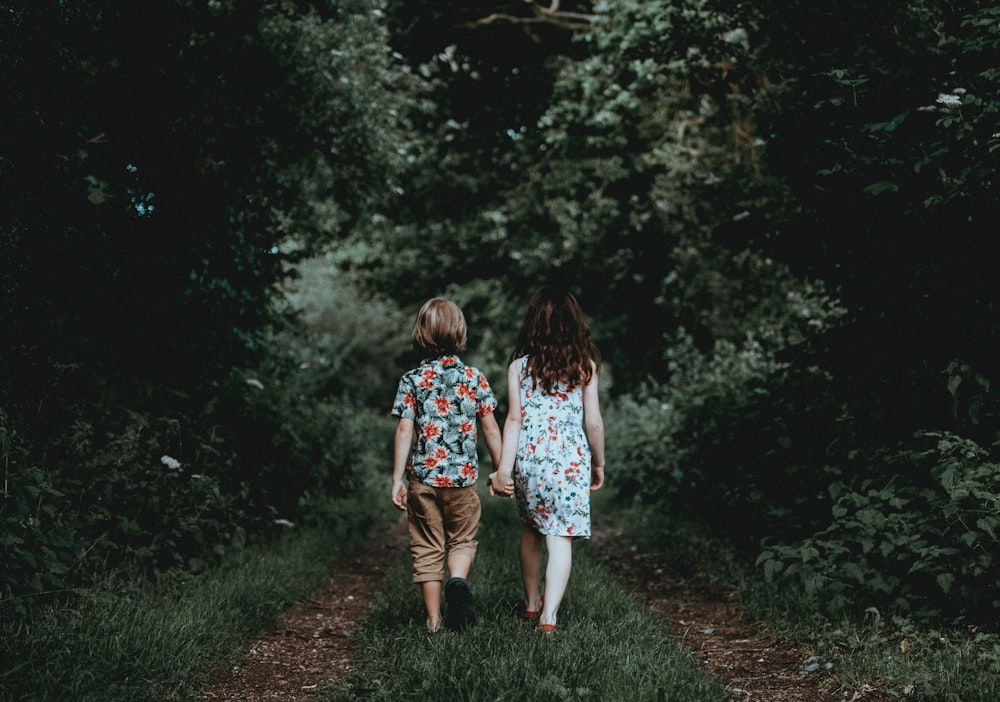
[440, 328]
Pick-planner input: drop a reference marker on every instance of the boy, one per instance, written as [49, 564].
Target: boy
[439, 402]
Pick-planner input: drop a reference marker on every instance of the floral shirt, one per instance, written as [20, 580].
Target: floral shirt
[444, 397]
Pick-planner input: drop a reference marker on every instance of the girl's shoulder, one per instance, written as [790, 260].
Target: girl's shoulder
[518, 365]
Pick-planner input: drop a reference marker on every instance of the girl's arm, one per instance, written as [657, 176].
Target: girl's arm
[401, 453]
[502, 481]
[594, 425]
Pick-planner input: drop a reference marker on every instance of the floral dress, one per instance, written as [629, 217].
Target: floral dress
[552, 470]
[444, 398]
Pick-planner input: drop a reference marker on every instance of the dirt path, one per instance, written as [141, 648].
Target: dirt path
[757, 666]
[318, 641]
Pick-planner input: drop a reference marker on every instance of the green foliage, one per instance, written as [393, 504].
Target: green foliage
[884, 143]
[123, 488]
[125, 639]
[868, 653]
[168, 162]
[718, 436]
[869, 174]
[183, 486]
[36, 547]
[923, 545]
[603, 152]
[162, 173]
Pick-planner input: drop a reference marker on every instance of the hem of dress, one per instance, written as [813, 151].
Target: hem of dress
[575, 537]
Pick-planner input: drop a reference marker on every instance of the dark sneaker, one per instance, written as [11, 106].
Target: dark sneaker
[461, 610]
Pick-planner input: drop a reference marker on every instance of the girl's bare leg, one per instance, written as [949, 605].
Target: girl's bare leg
[557, 571]
[531, 567]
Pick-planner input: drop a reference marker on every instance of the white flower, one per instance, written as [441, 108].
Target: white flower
[171, 463]
[944, 99]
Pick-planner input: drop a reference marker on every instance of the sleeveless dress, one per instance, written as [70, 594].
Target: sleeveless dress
[552, 470]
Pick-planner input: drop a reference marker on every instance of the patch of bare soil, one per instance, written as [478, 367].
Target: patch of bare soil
[318, 641]
[756, 665]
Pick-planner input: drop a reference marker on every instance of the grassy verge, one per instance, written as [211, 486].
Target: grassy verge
[867, 648]
[607, 647]
[130, 640]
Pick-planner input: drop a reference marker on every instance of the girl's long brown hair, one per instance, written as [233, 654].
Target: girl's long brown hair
[556, 339]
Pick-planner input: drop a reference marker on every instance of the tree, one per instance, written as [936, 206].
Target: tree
[157, 157]
[601, 158]
[888, 143]
[161, 164]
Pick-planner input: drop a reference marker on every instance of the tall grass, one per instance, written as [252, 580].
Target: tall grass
[607, 647]
[128, 640]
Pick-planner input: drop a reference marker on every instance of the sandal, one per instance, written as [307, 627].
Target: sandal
[530, 615]
[546, 630]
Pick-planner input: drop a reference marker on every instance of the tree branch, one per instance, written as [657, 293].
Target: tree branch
[571, 21]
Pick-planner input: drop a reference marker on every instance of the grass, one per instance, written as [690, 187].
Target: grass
[127, 640]
[863, 648]
[130, 640]
[607, 647]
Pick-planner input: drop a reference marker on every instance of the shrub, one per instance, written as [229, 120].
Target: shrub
[922, 544]
[118, 486]
[721, 436]
[37, 549]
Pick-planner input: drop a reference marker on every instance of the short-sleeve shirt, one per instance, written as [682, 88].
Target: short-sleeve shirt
[444, 398]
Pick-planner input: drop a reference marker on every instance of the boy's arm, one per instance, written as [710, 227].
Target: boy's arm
[401, 453]
[491, 434]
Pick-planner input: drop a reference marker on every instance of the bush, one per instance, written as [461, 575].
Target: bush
[922, 544]
[717, 438]
[100, 475]
[37, 550]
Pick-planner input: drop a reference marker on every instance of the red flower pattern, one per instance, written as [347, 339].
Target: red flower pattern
[443, 397]
[443, 405]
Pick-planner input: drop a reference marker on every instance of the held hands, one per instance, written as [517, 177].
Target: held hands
[501, 486]
[399, 494]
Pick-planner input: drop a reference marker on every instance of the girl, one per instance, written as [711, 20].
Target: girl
[438, 405]
[553, 445]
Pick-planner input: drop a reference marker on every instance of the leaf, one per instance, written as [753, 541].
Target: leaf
[953, 383]
[987, 525]
[881, 187]
[97, 190]
[945, 581]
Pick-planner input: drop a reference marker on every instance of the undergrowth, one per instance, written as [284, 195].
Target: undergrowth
[892, 653]
[128, 639]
